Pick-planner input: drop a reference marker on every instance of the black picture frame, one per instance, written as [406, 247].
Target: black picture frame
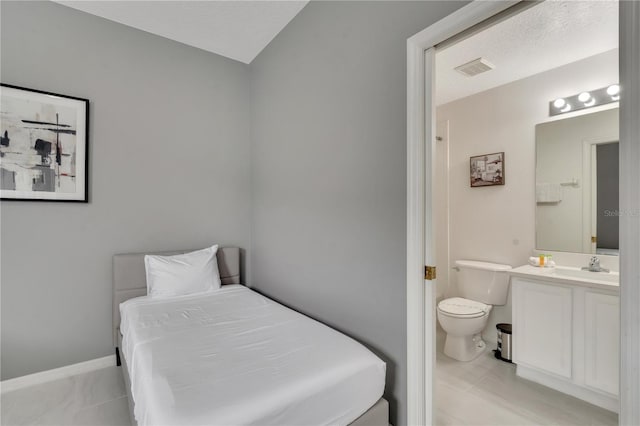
[487, 170]
[20, 99]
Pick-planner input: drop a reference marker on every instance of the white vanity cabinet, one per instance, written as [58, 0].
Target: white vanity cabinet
[601, 341]
[567, 337]
[542, 327]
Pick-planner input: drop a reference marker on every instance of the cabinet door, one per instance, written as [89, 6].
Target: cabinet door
[542, 335]
[602, 341]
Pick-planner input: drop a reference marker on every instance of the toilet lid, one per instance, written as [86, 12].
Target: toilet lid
[463, 307]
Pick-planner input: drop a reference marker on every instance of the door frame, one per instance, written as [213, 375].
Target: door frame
[421, 128]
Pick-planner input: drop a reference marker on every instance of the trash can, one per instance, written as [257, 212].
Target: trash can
[504, 342]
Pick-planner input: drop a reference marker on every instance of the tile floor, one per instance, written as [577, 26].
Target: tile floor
[482, 392]
[487, 391]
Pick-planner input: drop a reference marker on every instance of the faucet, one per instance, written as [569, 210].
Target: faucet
[594, 266]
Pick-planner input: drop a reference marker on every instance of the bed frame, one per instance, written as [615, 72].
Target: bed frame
[129, 281]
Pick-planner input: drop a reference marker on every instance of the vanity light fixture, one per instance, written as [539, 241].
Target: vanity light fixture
[585, 100]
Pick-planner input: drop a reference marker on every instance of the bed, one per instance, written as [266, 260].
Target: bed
[235, 357]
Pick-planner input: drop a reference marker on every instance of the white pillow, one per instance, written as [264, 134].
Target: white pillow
[189, 273]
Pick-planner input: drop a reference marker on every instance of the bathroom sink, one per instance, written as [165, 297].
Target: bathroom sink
[569, 275]
[581, 274]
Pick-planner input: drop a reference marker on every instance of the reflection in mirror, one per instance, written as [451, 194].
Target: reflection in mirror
[577, 184]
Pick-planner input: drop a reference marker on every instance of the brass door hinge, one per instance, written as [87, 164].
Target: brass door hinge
[594, 240]
[429, 273]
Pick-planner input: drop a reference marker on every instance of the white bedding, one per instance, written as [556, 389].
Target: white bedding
[234, 357]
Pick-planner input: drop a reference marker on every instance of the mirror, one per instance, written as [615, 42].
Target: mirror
[577, 181]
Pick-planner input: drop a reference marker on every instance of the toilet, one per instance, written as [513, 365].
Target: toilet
[482, 285]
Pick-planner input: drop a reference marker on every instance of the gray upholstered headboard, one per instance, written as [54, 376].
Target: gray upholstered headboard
[129, 278]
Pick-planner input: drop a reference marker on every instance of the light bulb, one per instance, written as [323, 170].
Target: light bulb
[584, 96]
[566, 108]
[559, 103]
[613, 90]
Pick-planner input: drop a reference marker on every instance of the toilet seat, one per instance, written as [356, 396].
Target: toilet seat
[463, 308]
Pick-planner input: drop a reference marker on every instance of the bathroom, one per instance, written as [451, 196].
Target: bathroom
[544, 200]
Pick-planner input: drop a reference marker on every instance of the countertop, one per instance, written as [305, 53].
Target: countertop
[569, 276]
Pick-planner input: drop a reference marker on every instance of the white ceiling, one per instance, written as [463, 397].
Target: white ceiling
[546, 36]
[236, 29]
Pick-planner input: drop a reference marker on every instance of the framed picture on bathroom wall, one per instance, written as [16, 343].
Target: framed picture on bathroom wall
[487, 169]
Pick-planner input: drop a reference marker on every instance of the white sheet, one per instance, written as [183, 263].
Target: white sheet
[234, 357]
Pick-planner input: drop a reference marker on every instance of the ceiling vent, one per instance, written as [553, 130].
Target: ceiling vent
[475, 67]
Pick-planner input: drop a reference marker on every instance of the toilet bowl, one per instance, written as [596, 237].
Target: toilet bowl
[481, 285]
[463, 320]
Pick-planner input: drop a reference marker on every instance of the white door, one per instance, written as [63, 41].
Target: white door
[542, 326]
[602, 341]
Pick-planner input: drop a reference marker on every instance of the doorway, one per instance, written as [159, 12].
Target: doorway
[421, 120]
[605, 196]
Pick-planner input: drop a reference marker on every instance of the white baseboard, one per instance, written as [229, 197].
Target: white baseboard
[57, 373]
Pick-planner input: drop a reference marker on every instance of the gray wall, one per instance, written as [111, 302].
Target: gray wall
[329, 171]
[169, 149]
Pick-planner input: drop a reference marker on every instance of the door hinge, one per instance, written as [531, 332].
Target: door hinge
[594, 240]
[429, 273]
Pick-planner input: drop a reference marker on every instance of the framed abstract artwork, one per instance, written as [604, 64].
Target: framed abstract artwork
[487, 170]
[43, 145]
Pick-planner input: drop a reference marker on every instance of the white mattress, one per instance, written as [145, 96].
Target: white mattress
[234, 357]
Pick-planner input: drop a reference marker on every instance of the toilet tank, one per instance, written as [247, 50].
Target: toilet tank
[484, 282]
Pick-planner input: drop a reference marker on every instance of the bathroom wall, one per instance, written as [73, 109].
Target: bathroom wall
[498, 223]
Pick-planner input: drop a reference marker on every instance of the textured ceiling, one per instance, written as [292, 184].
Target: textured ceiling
[546, 36]
[236, 29]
